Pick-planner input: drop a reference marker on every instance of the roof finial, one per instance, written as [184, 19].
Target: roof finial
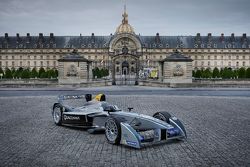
[125, 15]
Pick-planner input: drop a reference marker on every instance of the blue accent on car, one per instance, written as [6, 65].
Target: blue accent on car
[173, 132]
[132, 143]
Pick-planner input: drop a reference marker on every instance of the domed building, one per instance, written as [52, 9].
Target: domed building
[127, 55]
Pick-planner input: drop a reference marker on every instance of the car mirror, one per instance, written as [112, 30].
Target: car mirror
[130, 108]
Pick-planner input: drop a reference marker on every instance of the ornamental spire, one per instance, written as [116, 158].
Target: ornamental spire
[125, 16]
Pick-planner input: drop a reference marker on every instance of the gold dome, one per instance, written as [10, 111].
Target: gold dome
[125, 27]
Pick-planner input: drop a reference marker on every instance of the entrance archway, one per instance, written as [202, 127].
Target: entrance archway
[125, 68]
[129, 69]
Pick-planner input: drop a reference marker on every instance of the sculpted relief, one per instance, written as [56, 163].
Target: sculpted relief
[72, 71]
[178, 70]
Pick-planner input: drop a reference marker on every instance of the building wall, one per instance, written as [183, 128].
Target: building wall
[202, 58]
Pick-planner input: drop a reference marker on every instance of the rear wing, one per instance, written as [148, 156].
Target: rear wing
[61, 98]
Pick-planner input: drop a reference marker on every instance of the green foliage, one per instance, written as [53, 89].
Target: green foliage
[198, 74]
[226, 73]
[99, 73]
[34, 73]
[8, 73]
[248, 72]
[26, 73]
[56, 73]
[18, 72]
[216, 73]
[51, 73]
[242, 72]
[42, 73]
[207, 73]
[1, 71]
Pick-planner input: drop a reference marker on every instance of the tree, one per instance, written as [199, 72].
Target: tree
[25, 73]
[207, 73]
[216, 73]
[227, 73]
[42, 73]
[51, 73]
[193, 73]
[34, 73]
[18, 72]
[56, 73]
[13, 72]
[248, 72]
[1, 71]
[242, 72]
[198, 74]
[8, 73]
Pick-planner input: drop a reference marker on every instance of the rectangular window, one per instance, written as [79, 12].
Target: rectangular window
[6, 63]
[28, 64]
[47, 63]
[41, 57]
[54, 64]
[35, 63]
[21, 63]
[0, 64]
[34, 57]
[41, 63]
[13, 58]
[13, 64]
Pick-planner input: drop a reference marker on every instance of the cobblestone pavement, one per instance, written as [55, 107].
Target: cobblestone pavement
[217, 127]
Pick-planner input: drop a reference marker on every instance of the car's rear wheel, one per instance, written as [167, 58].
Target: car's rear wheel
[113, 130]
[57, 115]
[164, 116]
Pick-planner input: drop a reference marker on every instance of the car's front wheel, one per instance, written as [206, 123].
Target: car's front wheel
[113, 130]
[164, 116]
[57, 115]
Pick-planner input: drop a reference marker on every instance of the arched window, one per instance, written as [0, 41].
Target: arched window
[117, 69]
[132, 69]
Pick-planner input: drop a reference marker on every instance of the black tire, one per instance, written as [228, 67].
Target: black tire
[57, 114]
[164, 116]
[113, 130]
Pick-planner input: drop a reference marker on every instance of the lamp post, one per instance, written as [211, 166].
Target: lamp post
[1, 75]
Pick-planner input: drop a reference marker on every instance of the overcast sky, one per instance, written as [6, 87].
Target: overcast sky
[168, 17]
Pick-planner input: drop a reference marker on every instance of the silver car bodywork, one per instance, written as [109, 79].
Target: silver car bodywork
[137, 130]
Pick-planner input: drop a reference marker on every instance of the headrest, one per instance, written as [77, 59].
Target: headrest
[100, 97]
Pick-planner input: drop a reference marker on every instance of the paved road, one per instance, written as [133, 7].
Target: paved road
[126, 90]
[217, 127]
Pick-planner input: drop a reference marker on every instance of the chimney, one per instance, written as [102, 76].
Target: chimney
[6, 35]
[232, 35]
[40, 34]
[222, 37]
[157, 34]
[198, 34]
[244, 35]
[51, 35]
[209, 34]
[92, 34]
[28, 34]
[17, 35]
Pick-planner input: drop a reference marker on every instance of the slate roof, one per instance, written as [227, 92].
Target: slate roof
[177, 57]
[93, 41]
[73, 57]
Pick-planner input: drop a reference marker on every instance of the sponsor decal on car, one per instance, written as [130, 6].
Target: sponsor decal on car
[132, 143]
[66, 117]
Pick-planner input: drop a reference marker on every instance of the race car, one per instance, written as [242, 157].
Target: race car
[120, 127]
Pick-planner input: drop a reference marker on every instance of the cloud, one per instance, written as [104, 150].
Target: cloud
[72, 17]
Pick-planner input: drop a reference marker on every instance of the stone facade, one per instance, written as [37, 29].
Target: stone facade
[125, 53]
[74, 69]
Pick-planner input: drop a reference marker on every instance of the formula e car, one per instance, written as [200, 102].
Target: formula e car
[120, 127]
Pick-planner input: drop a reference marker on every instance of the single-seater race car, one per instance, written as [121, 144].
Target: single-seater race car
[120, 127]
